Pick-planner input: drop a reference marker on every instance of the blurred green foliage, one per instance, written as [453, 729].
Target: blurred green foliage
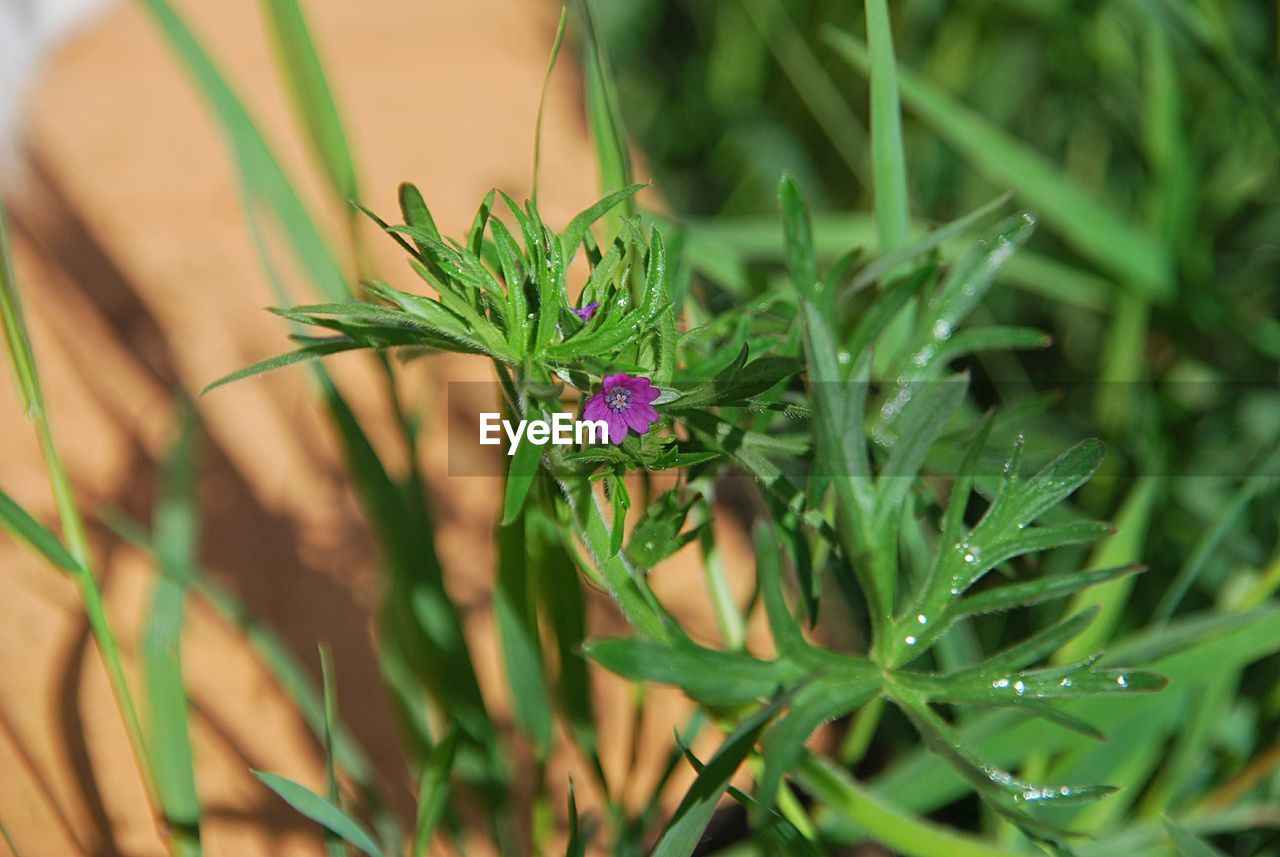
[1164, 115]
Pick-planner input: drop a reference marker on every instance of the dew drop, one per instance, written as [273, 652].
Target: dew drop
[910, 641]
[922, 619]
[1000, 683]
[1066, 682]
[1019, 688]
[844, 358]
[1120, 680]
[942, 329]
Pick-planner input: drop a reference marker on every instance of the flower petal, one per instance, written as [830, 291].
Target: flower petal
[595, 408]
[587, 312]
[612, 381]
[644, 411]
[636, 421]
[645, 395]
[617, 428]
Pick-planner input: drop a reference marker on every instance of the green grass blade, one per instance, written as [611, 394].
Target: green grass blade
[839, 400]
[260, 173]
[8, 840]
[886, 262]
[1122, 548]
[284, 667]
[889, 165]
[812, 84]
[719, 248]
[421, 629]
[1187, 843]
[542, 99]
[14, 326]
[890, 825]
[311, 95]
[563, 606]
[333, 844]
[292, 677]
[691, 817]
[515, 610]
[1206, 546]
[310, 352]
[433, 792]
[321, 811]
[1091, 225]
[523, 469]
[23, 363]
[613, 158]
[176, 523]
[19, 524]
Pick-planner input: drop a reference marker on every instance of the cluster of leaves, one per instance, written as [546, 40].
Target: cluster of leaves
[814, 685]
[510, 302]
[849, 468]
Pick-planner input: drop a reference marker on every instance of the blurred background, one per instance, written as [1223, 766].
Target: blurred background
[1143, 133]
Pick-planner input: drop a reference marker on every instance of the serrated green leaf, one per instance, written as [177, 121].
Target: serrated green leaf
[311, 352]
[782, 624]
[415, 212]
[888, 822]
[1026, 652]
[1028, 592]
[1002, 791]
[884, 263]
[922, 421]
[739, 382]
[708, 675]
[814, 704]
[573, 234]
[657, 535]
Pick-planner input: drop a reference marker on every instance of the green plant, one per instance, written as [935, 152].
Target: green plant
[881, 479]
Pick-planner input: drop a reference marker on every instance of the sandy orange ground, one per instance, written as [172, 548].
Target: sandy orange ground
[140, 280]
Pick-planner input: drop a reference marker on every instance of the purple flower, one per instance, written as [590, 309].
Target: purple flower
[588, 312]
[624, 403]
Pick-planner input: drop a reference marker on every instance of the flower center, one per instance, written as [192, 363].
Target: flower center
[618, 400]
